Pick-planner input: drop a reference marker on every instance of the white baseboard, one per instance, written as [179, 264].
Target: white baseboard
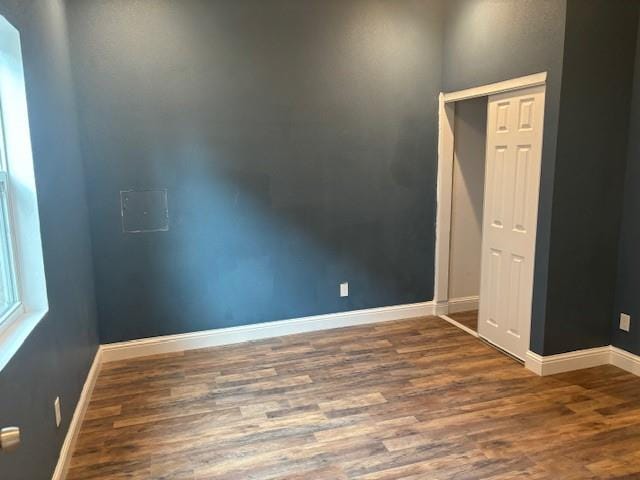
[592, 357]
[226, 336]
[534, 362]
[441, 308]
[625, 360]
[463, 304]
[66, 452]
[566, 362]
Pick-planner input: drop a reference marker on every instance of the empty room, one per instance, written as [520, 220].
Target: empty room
[319, 239]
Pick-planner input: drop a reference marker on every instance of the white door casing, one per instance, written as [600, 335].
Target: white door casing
[512, 183]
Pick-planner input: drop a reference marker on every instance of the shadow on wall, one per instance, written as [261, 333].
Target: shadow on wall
[467, 198]
[241, 241]
[472, 171]
[298, 145]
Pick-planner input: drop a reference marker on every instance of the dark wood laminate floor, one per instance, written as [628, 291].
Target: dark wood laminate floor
[468, 319]
[414, 399]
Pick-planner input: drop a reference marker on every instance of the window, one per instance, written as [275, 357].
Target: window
[23, 290]
[9, 298]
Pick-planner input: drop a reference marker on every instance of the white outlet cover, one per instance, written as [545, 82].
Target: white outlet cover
[56, 409]
[625, 322]
[344, 289]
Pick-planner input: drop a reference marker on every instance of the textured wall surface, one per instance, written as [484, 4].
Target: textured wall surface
[584, 142]
[56, 357]
[591, 153]
[489, 41]
[297, 140]
[627, 298]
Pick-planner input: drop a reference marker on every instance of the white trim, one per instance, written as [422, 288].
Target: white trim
[579, 359]
[566, 362]
[455, 323]
[226, 336]
[625, 360]
[22, 197]
[441, 308]
[499, 87]
[463, 304]
[66, 452]
[15, 330]
[446, 120]
[533, 362]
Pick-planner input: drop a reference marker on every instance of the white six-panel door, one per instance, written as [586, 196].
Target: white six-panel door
[512, 182]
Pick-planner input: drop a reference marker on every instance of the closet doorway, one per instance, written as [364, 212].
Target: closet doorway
[490, 151]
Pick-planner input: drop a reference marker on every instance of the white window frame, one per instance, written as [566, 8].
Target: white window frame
[5, 191]
[22, 200]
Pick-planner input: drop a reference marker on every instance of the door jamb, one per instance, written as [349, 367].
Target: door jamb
[446, 119]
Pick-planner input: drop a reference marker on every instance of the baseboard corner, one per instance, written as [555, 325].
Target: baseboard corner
[625, 360]
[441, 308]
[533, 362]
[566, 362]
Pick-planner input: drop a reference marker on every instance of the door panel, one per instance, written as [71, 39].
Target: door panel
[514, 153]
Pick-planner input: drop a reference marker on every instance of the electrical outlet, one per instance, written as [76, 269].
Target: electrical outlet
[344, 289]
[625, 322]
[56, 409]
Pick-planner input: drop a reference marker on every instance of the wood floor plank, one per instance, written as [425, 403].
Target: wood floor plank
[468, 318]
[412, 399]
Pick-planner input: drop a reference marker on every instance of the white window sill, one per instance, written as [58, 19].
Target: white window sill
[14, 331]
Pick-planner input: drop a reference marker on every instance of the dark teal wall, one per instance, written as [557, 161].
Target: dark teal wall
[488, 41]
[592, 146]
[297, 140]
[628, 280]
[57, 355]
[587, 48]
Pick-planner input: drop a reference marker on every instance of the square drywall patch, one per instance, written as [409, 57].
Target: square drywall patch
[144, 211]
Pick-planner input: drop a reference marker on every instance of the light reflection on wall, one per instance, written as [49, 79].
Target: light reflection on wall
[297, 142]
